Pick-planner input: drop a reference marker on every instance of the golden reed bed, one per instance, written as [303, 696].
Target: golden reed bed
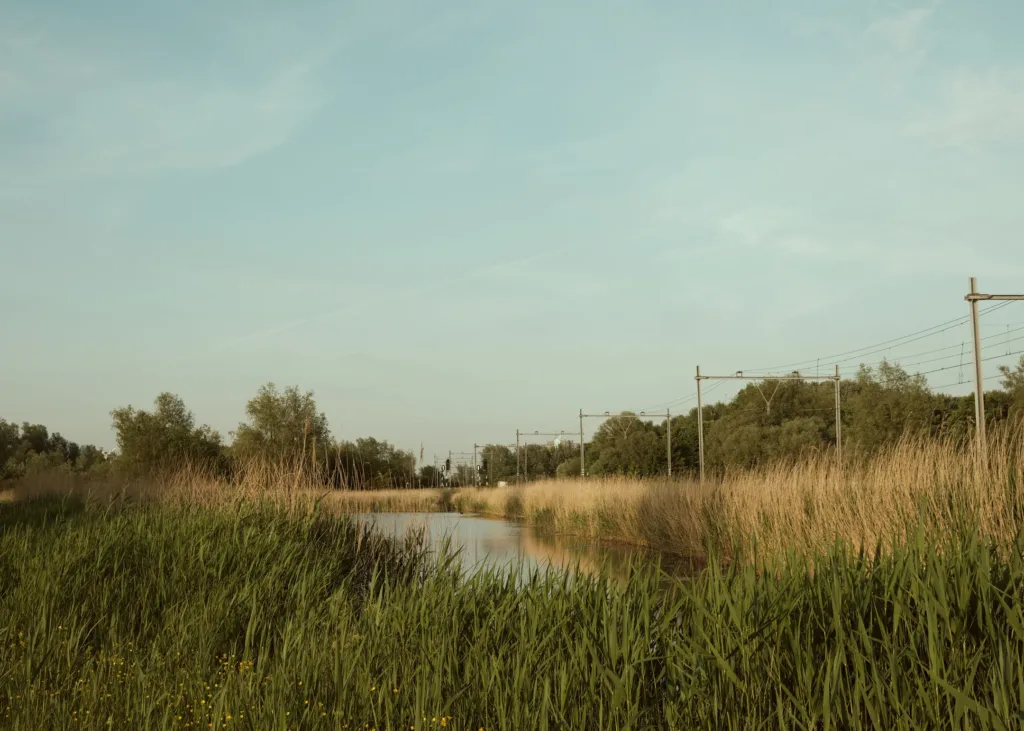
[935, 486]
[806, 505]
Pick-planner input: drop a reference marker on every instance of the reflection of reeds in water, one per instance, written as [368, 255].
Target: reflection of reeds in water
[555, 552]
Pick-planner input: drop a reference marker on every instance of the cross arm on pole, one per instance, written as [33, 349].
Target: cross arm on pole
[767, 378]
[546, 434]
[976, 297]
[739, 376]
[644, 414]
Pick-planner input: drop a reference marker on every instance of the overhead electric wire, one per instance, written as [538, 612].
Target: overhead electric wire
[889, 344]
[878, 348]
[902, 364]
[964, 383]
[951, 347]
[991, 357]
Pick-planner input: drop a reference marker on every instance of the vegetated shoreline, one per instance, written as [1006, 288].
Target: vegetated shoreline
[805, 506]
[268, 614]
[938, 486]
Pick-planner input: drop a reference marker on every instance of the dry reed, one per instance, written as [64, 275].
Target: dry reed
[938, 487]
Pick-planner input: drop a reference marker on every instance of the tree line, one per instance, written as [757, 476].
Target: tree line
[769, 421]
[766, 421]
[283, 431]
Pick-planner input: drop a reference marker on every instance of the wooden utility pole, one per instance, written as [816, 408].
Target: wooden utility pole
[973, 297]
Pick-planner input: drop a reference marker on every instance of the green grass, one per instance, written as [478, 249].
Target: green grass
[159, 617]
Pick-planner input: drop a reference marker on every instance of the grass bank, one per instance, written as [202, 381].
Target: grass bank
[262, 617]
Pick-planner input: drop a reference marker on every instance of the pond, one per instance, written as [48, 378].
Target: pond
[498, 543]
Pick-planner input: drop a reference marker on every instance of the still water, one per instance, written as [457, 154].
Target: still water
[500, 543]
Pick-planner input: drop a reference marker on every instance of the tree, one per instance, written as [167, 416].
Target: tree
[370, 463]
[89, 458]
[164, 438]
[883, 404]
[281, 425]
[9, 442]
[430, 476]
[1013, 382]
[569, 468]
[500, 461]
[35, 438]
[33, 449]
[625, 444]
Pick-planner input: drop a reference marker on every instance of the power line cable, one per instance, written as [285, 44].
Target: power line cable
[991, 357]
[951, 347]
[964, 383]
[899, 361]
[889, 344]
[874, 349]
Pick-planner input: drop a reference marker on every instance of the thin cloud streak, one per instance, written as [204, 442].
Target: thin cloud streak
[490, 270]
[902, 31]
[102, 117]
[976, 109]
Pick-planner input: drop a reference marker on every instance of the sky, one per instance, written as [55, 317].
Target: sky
[454, 220]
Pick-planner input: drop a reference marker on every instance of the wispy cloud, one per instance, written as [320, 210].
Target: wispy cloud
[976, 109]
[93, 112]
[507, 268]
[909, 247]
[887, 51]
[772, 229]
[902, 31]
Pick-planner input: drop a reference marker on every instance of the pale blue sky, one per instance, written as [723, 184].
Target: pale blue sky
[454, 219]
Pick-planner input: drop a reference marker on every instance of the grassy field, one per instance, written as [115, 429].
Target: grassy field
[260, 616]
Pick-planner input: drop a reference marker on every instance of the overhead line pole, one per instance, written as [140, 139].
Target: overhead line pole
[639, 415]
[464, 456]
[583, 461]
[839, 420]
[973, 297]
[668, 437]
[700, 426]
[517, 456]
[740, 377]
[526, 452]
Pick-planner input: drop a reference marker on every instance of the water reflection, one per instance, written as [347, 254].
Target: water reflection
[500, 544]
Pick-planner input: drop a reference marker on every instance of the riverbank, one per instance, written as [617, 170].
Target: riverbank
[259, 616]
[806, 506]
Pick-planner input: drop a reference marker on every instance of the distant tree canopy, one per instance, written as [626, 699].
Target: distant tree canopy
[772, 420]
[282, 426]
[765, 421]
[31, 449]
[372, 463]
[1013, 384]
[164, 438]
